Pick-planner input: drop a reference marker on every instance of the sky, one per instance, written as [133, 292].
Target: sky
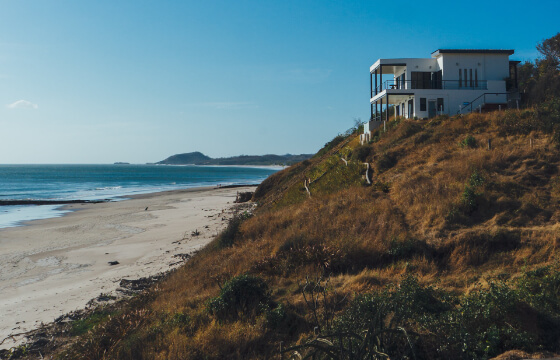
[137, 81]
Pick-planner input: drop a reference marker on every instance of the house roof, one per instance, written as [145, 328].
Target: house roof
[438, 52]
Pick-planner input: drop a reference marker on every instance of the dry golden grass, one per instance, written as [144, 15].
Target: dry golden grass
[367, 238]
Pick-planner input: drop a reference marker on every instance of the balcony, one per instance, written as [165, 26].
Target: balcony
[398, 84]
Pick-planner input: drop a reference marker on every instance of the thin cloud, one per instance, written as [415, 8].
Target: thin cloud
[22, 104]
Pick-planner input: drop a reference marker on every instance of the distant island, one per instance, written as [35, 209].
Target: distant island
[198, 158]
[121, 163]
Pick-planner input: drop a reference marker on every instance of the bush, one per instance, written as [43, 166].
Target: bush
[242, 296]
[476, 179]
[361, 153]
[468, 200]
[82, 326]
[275, 317]
[469, 141]
[541, 288]
[485, 323]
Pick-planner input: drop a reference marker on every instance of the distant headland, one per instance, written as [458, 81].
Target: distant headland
[198, 158]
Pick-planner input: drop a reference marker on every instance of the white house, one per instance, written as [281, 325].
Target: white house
[450, 82]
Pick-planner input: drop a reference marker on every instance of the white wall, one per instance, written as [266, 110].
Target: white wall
[489, 66]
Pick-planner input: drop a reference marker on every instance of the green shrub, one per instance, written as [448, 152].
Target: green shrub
[240, 297]
[468, 142]
[485, 324]
[275, 316]
[361, 153]
[468, 200]
[82, 326]
[476, 179]
[438, 324]
[541, 288]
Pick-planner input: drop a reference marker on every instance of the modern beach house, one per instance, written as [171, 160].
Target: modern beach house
[450, 82]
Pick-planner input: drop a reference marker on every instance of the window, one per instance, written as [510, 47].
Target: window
[470, 76]
[476, 78]
[422, 104]
[436, 80]
[466, 78]
[421, 79]
[460, 78]
[440, 104]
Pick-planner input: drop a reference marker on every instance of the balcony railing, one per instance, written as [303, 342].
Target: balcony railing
[442, 84]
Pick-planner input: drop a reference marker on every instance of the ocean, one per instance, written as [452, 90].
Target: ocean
[100, 182]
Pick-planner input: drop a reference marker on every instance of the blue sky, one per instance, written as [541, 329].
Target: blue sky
[104, 81]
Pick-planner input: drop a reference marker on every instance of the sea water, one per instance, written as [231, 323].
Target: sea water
[99, 182]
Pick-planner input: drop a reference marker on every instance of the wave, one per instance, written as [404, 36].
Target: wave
[108, 188]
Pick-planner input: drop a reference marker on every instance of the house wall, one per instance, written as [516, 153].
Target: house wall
[489, 66]
[453, 100]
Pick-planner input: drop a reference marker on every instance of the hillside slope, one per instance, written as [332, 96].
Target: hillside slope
[446, 248]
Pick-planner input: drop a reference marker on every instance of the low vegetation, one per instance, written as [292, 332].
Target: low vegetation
[450, 252]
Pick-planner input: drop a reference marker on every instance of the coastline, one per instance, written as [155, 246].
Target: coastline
[53, 266]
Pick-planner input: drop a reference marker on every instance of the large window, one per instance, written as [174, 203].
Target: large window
[460, 78]
[437, 80]
[422, 104]
[421, 79]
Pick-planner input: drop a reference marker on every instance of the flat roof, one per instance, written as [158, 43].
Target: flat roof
[472, 51]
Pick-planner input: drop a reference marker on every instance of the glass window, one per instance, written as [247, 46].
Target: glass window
[460, 78]
[466, 79]
[470, 77]
[439, 104]
[476, 78]
[422, 104]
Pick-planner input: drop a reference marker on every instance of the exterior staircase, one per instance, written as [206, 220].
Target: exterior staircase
[491, 102]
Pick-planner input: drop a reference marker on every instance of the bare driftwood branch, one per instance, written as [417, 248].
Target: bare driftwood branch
[367, 174]
[306, 188]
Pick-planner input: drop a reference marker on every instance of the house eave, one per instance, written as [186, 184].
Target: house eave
[439, 52]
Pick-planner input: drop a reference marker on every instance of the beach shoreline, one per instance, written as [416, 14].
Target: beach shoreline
[54, 266]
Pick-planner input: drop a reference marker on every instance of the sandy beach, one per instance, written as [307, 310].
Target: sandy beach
[53, 266]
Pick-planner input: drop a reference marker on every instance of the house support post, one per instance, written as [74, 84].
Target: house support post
[375, 81]
[381, 77]
[387, 109]
[370, 85]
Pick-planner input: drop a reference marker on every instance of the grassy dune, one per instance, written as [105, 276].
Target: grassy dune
[450, 252]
